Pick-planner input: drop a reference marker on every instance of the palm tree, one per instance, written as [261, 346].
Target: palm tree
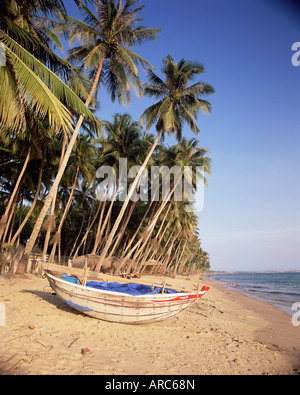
[30, 91]
[37, 140]
[33, 204]
[185, 153]
[123, 142]
[28, 84]
[85, 202]
[186, 222]
[105, 39]
[5, 217]
[81, 162]
[179, 103]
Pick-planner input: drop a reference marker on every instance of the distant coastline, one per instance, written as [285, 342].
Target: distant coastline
[281, 289]
[249, 271]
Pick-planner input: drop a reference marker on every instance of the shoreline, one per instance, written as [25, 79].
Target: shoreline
[225, 332]
[279, 334]
[283, 303]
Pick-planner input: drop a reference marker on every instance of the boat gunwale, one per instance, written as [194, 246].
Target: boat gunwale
[101, 291]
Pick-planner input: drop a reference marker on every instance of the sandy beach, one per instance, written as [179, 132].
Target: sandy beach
[225, 332]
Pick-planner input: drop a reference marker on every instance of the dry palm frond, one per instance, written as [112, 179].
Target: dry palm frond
[50, 223]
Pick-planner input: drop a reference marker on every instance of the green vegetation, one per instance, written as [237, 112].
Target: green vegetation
[52, 143]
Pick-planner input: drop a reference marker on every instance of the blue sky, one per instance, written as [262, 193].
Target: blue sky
[251, 215]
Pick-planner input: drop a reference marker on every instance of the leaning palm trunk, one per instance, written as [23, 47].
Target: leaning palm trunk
[4, 217]
[11, 220]
[19, 223]
[162, 256]
[142, 243]
[167, 258]
[100, 231]
[96, 243]
[164, 220]
[121, 233]
[103, 204]
[76, 240]
[174, 259]
[168, 267]
[68, 205]
[179, 259]
[151, 244]
[137, 231]
[168, 241]
[51, 225]
[12, 212]
[156, 217]
[159, 241]
[24, 261]
[182, 265]
[125, 204]
[32, 206]
[88, 230]
[163, 233]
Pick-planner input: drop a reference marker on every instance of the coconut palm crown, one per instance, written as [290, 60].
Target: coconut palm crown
[178, 102]
[107, 34]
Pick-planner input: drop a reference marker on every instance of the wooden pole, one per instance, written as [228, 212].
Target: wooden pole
[86, 271]
[164, 285]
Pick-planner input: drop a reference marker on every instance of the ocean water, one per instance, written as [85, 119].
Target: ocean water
[280, 289]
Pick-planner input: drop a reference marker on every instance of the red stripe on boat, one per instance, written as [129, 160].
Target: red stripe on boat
[182, 297]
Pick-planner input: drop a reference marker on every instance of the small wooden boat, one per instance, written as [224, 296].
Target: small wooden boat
[96, 299]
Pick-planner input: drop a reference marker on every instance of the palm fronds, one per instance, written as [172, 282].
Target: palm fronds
[39, 87]
[179, 103]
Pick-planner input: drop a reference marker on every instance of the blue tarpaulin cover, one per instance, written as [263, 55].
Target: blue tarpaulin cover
[71, 279]
[130, 288]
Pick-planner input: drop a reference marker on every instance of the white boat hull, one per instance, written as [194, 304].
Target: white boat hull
[120, 307]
